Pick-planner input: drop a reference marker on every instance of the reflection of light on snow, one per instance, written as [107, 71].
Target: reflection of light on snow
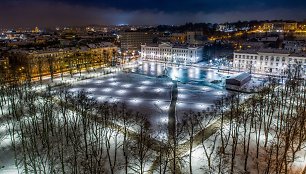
[87, 81]
[142, 87]
[181, 89]
[159, 90]
[165, 108]
[121, 92]
[174, 73]
[90, 89]
[159, 70]
[74, 89]
[168, 84]
[112, 79]
[164, 120]
[197, 72]
[145, 67]
[152, 67]
[114, 83]
[146, 82]
[157, 102]
[205, 88]
[218, 93]
[99, 81]
[181, 104]
[107, 90]
[90, 96]
[210, 74]
[135, 101]
[182, 96]
[102, 98]
[201, 106]
[127, 85]
[114, 100]
[191, 73]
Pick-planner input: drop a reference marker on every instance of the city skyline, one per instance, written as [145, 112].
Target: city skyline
[47, 13]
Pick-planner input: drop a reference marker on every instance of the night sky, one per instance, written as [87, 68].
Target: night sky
[50, 13]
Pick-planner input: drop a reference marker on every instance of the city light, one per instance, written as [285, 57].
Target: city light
[164, 94]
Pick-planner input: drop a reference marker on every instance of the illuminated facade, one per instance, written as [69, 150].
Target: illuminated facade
[274, 62]
[56, 60]
[280, 26]
[166, 52]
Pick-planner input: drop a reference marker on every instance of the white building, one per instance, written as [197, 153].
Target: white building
[166, 52]
[269, 61]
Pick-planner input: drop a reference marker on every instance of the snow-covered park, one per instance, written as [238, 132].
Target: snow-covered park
[234, 133]
[149, 95]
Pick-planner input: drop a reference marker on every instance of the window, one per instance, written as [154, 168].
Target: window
[277, 59]
[283, 59]
[261, 57]
[272, 58]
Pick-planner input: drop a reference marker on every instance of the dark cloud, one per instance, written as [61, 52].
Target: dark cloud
[189, 5]
[14, 13]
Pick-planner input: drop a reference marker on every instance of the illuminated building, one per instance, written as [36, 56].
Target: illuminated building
[63, 59]
[268, 61]
[280, 26]
[167, 52]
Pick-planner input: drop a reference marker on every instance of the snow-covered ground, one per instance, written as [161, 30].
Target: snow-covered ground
[149, 95]
[7, 157]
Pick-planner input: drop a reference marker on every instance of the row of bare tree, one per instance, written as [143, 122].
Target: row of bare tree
[55, 131]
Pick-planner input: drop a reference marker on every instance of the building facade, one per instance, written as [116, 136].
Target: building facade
[57, 60]
[195, 38]
[132, 40]
[166, 52]
[295, 46]
[280, 26]
[272, 62]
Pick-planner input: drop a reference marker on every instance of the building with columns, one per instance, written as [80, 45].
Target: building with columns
[167, 52]
[269, 61]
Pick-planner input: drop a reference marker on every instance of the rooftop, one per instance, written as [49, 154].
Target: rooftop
[276, 51]
[172, 45]
[241, 76]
